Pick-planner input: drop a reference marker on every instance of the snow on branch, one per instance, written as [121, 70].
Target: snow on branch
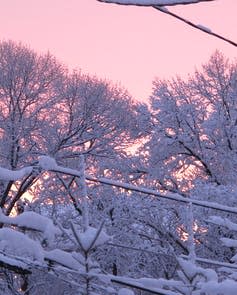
[10, 175]
[63, 258]
[227, 287]
[223, 222]
[203, 28]
[24, 265]
[214, 262]
[13, 242]
[33, 221]
[141, 284]
[17, 243]
[93, 237]
[154, 2]
[229, 242]
[125, 291]
[13, 264]
[159, 253]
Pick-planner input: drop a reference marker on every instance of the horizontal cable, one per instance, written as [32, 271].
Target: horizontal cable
[169, 196]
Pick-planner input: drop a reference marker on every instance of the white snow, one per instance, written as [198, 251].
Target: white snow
[143, 284]
[125, 291]
[167, 287]
[223, 222]
[78, 257]
[214, 262]
[227, 287]
[63, 258]
[87, 238]
[229, 242]
[191, 270]
[153, 2]
[204, 28]
[47, 163]
[234, 258]
[12, 261]
[32, 220]
[163, 8]
[8, 175]
[16, 243]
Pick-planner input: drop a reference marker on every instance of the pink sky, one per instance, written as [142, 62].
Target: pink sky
[128, 45]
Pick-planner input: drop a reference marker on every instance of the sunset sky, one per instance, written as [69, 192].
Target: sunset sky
[128, 45]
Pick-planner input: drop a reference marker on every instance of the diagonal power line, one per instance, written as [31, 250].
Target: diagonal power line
[161, 6]
[169, 196]
[130, 187]
[198, 27]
